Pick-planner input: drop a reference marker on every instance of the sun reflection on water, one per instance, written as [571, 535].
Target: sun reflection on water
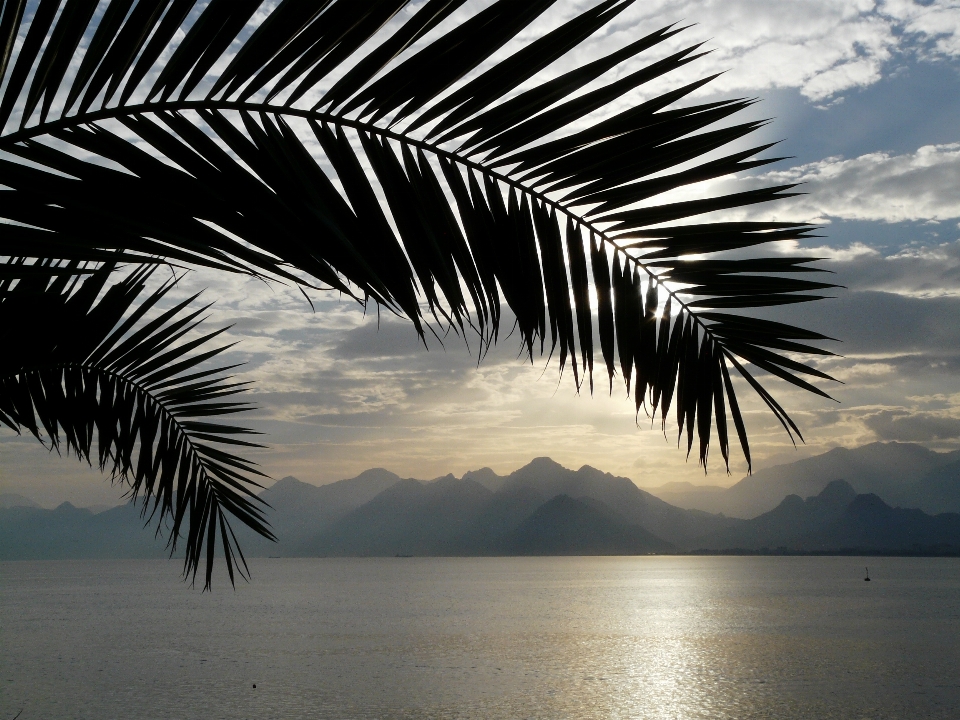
[659, 638]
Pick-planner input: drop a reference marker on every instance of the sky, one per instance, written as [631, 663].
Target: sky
[865, 97]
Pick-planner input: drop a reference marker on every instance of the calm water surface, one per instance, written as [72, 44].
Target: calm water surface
[649, 637]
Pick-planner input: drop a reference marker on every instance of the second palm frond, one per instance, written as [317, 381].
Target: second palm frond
[134, 395]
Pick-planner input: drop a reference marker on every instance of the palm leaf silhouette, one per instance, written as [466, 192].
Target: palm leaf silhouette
[380, 149]
[114, 388]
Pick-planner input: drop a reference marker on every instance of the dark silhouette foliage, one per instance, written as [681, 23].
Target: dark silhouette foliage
[380, 149]
[101, 371]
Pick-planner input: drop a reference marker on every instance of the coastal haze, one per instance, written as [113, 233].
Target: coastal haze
[886, 498]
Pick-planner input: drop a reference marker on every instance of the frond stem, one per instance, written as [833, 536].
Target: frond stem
[192, 452]
[177, 105]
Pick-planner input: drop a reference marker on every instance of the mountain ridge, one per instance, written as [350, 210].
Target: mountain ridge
[482, 513]
[838, 519]
[902, 474]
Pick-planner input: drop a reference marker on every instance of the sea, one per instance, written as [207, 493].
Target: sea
[559, 637]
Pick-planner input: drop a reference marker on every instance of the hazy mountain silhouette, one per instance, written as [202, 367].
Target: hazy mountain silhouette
[543, 508]
[785, 524]
[581, 526]
[902, 474]
[869, 523]
[330, 502]
[840, 520]
[68, 532]
[545, 479]
[410, 518]
[298, 510]
[486, 477]
[12, 500]
[463, 517]
[939, 490]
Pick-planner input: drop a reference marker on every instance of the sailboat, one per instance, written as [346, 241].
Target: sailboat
[867, 578]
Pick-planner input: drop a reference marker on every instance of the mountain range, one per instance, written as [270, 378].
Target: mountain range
[840, 519]
[451, 516]
[546, 509]
[12, 500]
[68, 532]
[901, 474]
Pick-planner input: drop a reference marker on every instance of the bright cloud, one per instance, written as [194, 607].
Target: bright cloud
[939, 21]
[822, 47]
[878, 186]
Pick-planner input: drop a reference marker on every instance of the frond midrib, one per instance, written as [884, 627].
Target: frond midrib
[41, 129]
[194, 454]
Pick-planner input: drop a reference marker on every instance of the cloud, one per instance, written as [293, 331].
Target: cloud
[877, 186]
[914, 269]
[864, 371]
[389, 339]
[337, 395]
[938, 22]
[913, 427]
[875, 324]
[920, 186]
[821, 47]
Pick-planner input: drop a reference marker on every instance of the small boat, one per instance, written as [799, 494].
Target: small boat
[867, 578]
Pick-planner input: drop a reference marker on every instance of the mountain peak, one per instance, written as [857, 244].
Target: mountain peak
[544, 463]
[837, 492]
[288, 481]
[486, 477]
[448, 478]
[12, 500]
[791, 501]
[68, 508]
[377, 473]
[591, 470]
[868, 503]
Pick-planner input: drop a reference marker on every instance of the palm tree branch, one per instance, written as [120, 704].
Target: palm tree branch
[120, 465]
[606, 235]
[289, 195]
[152, 422]
[360, 126]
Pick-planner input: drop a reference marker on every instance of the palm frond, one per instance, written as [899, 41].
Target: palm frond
[127, 393]
[496, 184]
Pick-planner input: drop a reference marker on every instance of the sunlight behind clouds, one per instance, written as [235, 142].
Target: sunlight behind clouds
[338, 396]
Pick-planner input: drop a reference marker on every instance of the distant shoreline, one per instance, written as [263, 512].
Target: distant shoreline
[842, 552]
[772, 552]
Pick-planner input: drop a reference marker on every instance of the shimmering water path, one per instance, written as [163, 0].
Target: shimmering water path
[648, 637]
